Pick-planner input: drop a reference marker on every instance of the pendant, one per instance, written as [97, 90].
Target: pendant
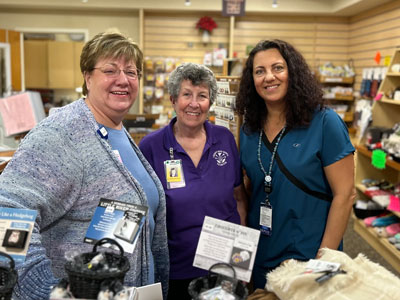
[268, 178]
[268, 188]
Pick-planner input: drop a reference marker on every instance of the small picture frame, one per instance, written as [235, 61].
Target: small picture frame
[128, 226]
[15, 238]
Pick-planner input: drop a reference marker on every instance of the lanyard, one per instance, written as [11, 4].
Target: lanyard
[267, 176]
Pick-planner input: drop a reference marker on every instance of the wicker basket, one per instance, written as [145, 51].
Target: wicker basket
[201, 284]
[8, 278]
[86, 283]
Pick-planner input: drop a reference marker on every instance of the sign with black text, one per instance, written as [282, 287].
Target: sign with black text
[233, 8]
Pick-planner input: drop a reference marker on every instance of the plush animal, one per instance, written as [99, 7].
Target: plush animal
[60, 291]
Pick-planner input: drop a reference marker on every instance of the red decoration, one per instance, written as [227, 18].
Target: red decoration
[206, 23]
[378, 57]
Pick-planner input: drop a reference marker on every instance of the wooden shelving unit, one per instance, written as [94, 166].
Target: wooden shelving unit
[385, 113]
[381, 245]
[339, 98]
[336, 79]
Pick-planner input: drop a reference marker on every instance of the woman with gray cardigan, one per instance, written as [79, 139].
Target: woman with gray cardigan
[76, 156]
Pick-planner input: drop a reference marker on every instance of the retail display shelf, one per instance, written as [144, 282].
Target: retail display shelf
[382, 245]
[341, 97]
[336, 79]
[390, 101]
[389, 162]
[397, 213]
[393, 74]
[360, 187]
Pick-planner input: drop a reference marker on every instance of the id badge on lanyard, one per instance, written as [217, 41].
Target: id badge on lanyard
[174, 173]
[266, 219]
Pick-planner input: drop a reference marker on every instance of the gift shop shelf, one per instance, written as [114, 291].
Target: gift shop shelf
[385, 113]
[381, 245]
[338, 94]
[362, 189]
[389, 162]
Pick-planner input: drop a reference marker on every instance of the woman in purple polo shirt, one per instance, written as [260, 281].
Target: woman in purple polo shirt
[205, 163]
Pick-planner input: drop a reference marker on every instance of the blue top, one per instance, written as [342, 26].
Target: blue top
[120, 141]
[208, 190]
[299, 219]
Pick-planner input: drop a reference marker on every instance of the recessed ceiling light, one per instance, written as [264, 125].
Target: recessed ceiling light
[274, 3]
[188, 3]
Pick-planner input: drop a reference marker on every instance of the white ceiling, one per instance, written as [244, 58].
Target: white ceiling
[314, 7]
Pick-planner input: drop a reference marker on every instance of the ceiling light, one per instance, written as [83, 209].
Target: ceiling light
[274, 3]
[188, 3]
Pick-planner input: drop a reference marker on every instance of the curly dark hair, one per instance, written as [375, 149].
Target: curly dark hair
[304, 94]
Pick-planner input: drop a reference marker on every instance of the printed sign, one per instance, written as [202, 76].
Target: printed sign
[119, 221]
[233, 7]
[222, 241]
[16, 227]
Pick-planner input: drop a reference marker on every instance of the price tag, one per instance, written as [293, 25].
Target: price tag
[378, 159]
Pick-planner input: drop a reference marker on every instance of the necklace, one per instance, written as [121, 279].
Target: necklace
[267, 176]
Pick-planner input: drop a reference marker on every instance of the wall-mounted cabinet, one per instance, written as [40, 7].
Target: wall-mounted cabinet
[52, 64]
[13, 38]
[36, 64]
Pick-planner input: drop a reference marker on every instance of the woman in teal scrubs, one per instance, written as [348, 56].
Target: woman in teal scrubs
[297, 156]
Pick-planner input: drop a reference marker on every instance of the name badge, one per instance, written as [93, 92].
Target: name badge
[266, 219]
[174, 173]
[116, 152]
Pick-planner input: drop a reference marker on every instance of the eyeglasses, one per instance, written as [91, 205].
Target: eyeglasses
[114, 72]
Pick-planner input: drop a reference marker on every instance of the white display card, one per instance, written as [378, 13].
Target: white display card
[226, 242]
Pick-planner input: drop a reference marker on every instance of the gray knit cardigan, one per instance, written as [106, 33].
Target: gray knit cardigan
[61, 169]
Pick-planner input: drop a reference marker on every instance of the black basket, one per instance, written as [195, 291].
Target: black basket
[8, 278]
[86, 283]
[202, 284]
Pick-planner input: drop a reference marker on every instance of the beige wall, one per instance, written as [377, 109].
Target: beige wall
[94, 22]
[372, 31]
[170, 32]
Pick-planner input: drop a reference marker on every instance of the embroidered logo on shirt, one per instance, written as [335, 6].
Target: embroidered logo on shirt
[296, 145]
[220, 156]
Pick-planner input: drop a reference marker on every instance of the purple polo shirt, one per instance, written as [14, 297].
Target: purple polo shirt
[208, 190]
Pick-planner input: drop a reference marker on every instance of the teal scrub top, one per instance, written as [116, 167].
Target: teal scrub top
[298, 219]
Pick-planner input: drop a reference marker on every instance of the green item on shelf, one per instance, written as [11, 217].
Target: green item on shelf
[378, 159]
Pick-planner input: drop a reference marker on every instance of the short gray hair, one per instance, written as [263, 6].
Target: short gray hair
[197, 74]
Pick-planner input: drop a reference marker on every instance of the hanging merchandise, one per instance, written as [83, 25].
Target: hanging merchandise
[363, 116]
[208, 58]
[375, 82]
[219, 54]
[368, 82]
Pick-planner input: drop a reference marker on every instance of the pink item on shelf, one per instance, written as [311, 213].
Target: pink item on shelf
[368, 221]
[378, 96]
[393, 229]
[394, 204]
